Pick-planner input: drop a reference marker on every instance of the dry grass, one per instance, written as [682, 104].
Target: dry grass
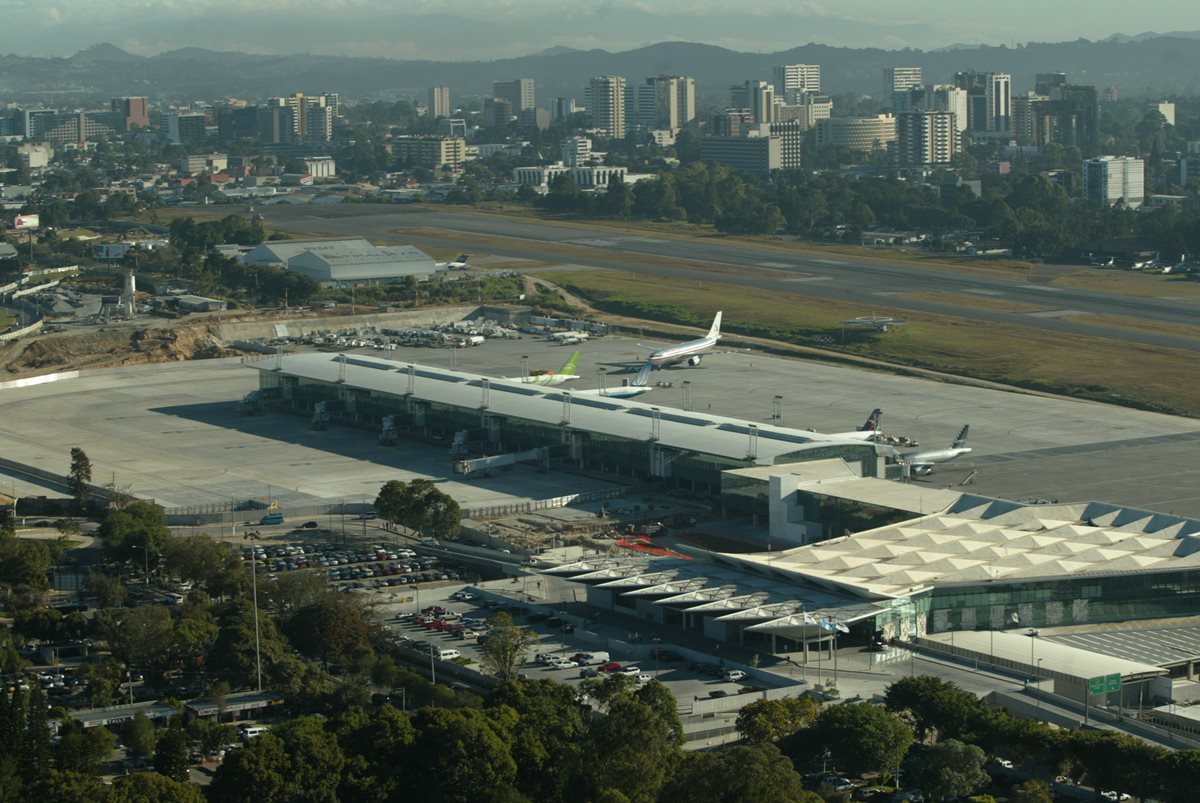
[1086, 367]
[976, 302]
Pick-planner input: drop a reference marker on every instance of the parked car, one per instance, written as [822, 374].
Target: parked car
[588, 672]
[563, 663]
[611, 666]
[630, 671]
[734, 675]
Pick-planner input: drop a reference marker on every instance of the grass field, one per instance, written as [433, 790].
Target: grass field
[1083, 367]
[6, 320]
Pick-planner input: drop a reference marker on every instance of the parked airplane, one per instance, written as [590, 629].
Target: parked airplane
[563, 374]
[457, 264]
[625, 391]
[688, 352]
[922, 463]
[866, 432]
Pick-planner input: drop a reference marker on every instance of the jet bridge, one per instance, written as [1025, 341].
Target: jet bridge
[479, 465]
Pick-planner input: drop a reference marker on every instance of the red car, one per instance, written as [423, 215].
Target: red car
[611, 666]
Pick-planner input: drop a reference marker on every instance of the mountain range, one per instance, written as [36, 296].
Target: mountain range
[1147, 64]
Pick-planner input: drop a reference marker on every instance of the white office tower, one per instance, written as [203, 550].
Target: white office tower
[760, 100]
[998, 92]
[926, 138]
[606, 103]
[796, 77]
[519, 92]
[439, 102]
[1108, 179]
[898, 80]
[576, 151]
[129, 296]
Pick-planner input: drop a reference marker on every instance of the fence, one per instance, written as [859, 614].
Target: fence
[25, 330]
[496, 511]
[60, 480]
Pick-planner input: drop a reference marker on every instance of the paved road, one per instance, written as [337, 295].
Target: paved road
[700, 259]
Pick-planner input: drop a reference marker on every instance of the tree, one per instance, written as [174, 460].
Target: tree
[548, 739]
[331, 630]
[137, 734]
[138, 637]
[149, 787]
[463, 754]
[391, 503]
[81, 749]
[79, 475]
[936, 705]
[858, 737]
[110, 591]
[772, 720]
[1034, 791]
[209, 735]
[506, 648]
[137, 531]
[632, 750]
[373, 746]
[171, 753]
[36, 752]
[298, 760]
[949, 769]
[758, 772]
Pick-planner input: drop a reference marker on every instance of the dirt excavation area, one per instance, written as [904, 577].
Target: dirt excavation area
[114, 346]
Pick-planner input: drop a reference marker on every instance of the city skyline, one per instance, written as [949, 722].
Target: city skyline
[493, 29]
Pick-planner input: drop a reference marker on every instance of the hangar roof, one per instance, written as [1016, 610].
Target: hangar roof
[735, 440]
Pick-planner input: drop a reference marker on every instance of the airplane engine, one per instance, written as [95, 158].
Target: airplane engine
[921, 471]
[693, 361]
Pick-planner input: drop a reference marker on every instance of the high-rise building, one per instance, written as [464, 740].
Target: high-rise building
[806, 110]
[237, 123]
[439, 102]
[1071, 116]
[898, 79]
[132, 111]
[562, 108]
[430, 151]
[989, 101]
[731, 122]
[1111, 95]
[318, 125]
[576, 151]
[606, 102]
[926, 138]
[1023, 110]
[182, 128]
[674, 99]
[933, 98]
[756, 154]
[796, 77]
[452, 127]
[276, 124]
[1046, 81]
[1109, 179]
[760, 100]
[791, 142]
[497, 112]
[1166, 108]
[518, 92]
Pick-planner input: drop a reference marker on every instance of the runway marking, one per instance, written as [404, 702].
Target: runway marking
[602, 243]
[1058, 313]
[810, 279]
[1044, 287]
[774, 265]
[644, 240]
[985, 292]
[831, 262]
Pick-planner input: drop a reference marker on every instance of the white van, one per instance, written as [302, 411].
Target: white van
[446, 655]
[248, 732]
[595, 658]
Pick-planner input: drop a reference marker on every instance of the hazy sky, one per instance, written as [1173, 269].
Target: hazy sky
[486, 29]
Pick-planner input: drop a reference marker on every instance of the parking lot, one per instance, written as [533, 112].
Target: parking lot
[457, 624]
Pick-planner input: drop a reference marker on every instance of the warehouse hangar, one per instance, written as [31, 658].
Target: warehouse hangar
[341, 261]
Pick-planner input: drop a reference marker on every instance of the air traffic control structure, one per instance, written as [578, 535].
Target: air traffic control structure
[490, 421]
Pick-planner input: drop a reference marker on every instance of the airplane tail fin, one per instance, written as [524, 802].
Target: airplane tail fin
[643, 375]
[872, 423]
[961, 441]
[714, 331]
[569, 365]
[463, 258]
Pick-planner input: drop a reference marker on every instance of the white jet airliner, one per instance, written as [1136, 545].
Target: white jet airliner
[688, 352]
[922, 463]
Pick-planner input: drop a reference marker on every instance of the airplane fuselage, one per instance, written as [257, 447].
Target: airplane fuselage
[685, 352]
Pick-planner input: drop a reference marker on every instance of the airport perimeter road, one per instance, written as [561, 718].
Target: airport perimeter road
[842, 278]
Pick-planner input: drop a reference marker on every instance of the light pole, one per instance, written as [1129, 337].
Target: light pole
[1039, 672]
[254, 587]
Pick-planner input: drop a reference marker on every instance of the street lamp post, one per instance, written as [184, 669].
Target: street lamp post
[254, 591]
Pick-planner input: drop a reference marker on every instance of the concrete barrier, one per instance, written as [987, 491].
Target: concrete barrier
[13, 334]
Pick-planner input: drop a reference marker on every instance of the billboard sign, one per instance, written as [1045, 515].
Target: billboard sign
[26, 222]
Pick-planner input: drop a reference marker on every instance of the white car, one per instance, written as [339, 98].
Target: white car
[630, 671]
[734, 675]
[563, 663]
[644, 678]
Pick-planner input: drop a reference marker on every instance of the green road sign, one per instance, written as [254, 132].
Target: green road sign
[1102, 684]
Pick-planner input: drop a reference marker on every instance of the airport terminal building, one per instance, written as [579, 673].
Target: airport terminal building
[483, 419]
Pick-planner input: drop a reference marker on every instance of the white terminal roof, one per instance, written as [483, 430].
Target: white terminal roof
[703, 433]
[366, 254]
[1034, 653]
[980, 540]
[730, 594]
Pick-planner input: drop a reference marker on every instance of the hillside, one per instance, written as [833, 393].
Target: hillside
[1143, 65]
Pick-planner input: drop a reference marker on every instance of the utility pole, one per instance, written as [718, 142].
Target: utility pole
[257, 642]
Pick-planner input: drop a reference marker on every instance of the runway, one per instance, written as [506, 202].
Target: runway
[700, 259]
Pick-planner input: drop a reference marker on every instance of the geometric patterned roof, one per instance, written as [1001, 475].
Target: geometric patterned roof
[980, 539]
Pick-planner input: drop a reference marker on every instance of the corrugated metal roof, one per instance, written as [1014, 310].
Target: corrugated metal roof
[282, 250]
[703, 433]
